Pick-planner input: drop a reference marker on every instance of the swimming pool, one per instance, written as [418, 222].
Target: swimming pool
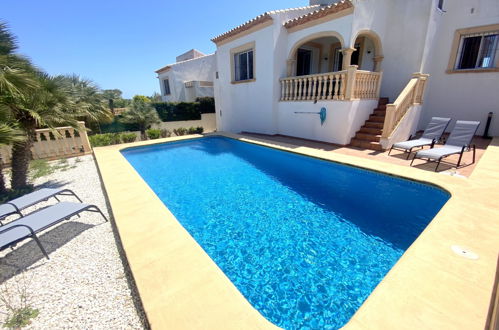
[304, 240]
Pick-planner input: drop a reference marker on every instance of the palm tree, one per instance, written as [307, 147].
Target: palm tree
[87, 101]
[34, 99]
[9, 134]
[141, 113]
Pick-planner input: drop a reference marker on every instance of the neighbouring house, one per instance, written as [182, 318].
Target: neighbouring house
[425, 58]
[187, 79]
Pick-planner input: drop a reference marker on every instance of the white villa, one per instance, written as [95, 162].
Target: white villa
[428, 57]
[187, 79]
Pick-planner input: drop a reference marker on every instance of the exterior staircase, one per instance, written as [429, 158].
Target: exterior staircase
[369, 135]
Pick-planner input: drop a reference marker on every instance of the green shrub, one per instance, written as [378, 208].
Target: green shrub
[195, 130]
[128, 137]
[165, 133]
[115, 138]
[206, 104]
[100, 140]
[21, 318]
[153, 133]
[180, 131]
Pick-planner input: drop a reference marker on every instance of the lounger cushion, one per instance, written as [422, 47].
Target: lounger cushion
[413, 143]
[437, 153]
[436, 128]
[39, 221]
[34, 197]
[462, 133]
[6, 209]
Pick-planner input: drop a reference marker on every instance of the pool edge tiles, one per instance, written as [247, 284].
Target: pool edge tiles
[151, 267]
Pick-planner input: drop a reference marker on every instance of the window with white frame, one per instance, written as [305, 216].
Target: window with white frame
[477, 51]
[243, 65]
[166, 85]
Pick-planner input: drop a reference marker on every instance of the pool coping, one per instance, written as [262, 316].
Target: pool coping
[430, 286]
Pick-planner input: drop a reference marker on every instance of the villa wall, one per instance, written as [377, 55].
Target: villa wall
[198, 69]
[252, 106]
[461, 96]
[247, 105]
[342, 121]
[402, 28]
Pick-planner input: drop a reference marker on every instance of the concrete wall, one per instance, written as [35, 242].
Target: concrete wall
[461, 96]
[198, 69]
[407, 127]
[342, 121]
[207, 122]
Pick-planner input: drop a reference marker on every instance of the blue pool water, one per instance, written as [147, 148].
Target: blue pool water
[304, 240]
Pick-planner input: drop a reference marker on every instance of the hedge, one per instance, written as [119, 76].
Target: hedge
[100, 140]
[117, 126]
[171, 111]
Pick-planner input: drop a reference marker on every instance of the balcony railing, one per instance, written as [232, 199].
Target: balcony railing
[341, 85]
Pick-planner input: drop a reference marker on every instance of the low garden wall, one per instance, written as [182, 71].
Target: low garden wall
[58, 143]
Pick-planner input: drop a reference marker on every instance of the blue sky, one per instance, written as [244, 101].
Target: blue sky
[120, 43]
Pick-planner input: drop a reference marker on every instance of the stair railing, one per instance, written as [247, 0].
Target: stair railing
[411, 95]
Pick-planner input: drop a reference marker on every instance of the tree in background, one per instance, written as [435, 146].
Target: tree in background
[33, 99]
[112, 95]
[142, 113]
[156, 97]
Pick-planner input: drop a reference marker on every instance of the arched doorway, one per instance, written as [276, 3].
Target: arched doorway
[368, 52]
[319, 53]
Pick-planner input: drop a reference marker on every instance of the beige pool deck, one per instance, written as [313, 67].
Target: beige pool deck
[430, 287]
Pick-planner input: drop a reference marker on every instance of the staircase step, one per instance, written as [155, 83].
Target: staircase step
[383, 100]
[373, 124]
[380, 113]
[378, 119]
[366, 144]
[381, 107]
[368, 137]
[370, 130]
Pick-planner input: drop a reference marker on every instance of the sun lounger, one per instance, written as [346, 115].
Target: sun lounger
[431, 134]
[16, 205]
[30, 225]
[458, 142]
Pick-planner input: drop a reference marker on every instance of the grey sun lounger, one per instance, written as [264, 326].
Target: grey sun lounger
[30, 225]
[458, 142]
[16, 205]
[433, 132]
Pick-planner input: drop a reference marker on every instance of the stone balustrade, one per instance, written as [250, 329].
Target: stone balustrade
[55, 143]
[341, 85]
[411, 95]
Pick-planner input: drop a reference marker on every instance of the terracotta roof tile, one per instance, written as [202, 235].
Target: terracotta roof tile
[255, 21]
[319, 13]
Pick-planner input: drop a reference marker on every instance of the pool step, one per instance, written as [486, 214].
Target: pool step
[369, 135]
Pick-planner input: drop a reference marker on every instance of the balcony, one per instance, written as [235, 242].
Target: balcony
[350, 84]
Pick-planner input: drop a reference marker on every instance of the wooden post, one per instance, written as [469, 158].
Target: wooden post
[350, 83]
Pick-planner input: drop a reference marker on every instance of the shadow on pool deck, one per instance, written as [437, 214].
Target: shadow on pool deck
[396, 157]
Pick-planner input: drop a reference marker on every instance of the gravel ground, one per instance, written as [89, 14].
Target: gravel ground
[84, 284]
